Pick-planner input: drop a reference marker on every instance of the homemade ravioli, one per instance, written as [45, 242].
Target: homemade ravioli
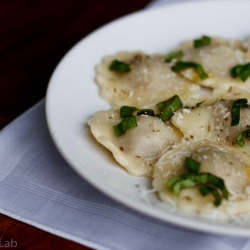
[192, 90]
[217, 60]
[223, 161]
[213, 122]
[150, 80]
[138, 149]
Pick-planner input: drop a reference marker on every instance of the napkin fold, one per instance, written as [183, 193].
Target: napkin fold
[38, 187]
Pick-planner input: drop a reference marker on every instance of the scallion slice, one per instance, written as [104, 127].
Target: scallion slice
[204, 41]
[205, 190]
[179, 66]
[207, 178]
[235, 71]
[119, 67]
[174, 180]
[186, 183]
[191, 165]
[124, 125]
[127, 111]
[198, 104]
[235, 110]
[239, 139]
[168, 107]
[199, 179]
[207, 182]
[146, 112]
[169, 57]
[241, 71]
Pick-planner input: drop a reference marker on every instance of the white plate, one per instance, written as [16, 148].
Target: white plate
[72, 96]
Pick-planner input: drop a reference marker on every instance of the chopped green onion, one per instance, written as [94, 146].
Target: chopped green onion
[235, 71]
[241, 71]
[191, 165]
[174, 180]
[169, 57]
[206, 190]
[146, 112]
[168, 107]
[199, 179]
[204, 41]
[124, 125]
[239, 139]
[208, 183]
[126, 111]
[207, 178]
[119, 67]
[235, 110]
[186, 183]
[216, 194]
[197, 105]
[184, 65]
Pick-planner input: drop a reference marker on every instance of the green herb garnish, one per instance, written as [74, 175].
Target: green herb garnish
[239, 139]
[124, 125]
[168, 107]
[129, 120]
[235, 71]
[197, 105]
[206, 190]
[169, 57]
[204, 41]
[179, 66]
[191, 165]
[126, 111]
[235, 110]
[146, 112]
[175, 180]
[119, 67]
[241, 71]
[208, 183]
[184, 183]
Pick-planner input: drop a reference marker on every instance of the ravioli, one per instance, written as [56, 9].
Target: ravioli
[150, 80]
[217, 60]
[138, 149]
[202, 132]
[213, 122]
[232, 44]
[225, 162]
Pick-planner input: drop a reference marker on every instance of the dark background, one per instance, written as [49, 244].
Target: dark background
[34, 36]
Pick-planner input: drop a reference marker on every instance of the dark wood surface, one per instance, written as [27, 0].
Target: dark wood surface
[34, 36]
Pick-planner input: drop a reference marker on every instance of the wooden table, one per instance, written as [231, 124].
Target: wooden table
[34, 36]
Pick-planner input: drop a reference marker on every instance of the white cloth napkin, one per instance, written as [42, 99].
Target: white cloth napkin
[38, 187]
